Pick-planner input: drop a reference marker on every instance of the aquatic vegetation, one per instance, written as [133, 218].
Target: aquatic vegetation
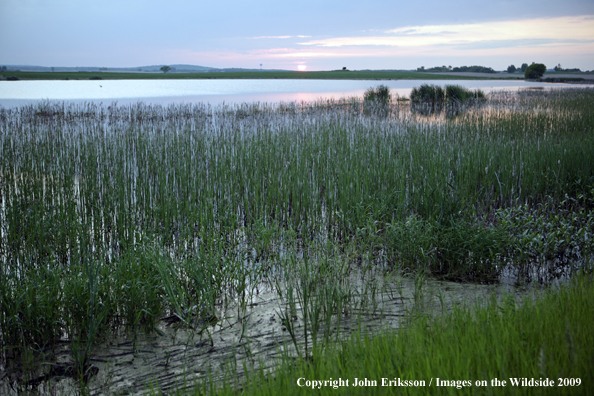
[116, 217]
[459, 94]
[428, 94]
[380, 94]
[376, 100]
[430, 99]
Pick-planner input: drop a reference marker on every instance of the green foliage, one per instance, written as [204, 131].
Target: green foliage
[474, 69]
[524, 67]
[511, 69]
[554, 235]
[165, 69]
[449, 248]
[535, 70]
[438, 69]
[558, 68]
[467, 69]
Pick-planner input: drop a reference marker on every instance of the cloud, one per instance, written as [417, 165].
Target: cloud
[277, 37]
[496, 43]
[569, 28]
[269, 37]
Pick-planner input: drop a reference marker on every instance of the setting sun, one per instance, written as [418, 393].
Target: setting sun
[301, 67]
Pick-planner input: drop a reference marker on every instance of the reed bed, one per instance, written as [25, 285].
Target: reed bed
[115, 216]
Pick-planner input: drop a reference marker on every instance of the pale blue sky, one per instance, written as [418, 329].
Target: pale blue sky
[321, 35]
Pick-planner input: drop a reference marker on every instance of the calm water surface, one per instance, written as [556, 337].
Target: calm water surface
[17, 93]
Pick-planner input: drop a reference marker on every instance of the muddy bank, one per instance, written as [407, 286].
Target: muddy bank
[177, 355]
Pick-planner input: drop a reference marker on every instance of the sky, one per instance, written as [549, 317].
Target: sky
[298, 34]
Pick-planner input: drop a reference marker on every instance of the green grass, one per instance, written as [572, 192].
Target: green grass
[321, 75]
[542, 338]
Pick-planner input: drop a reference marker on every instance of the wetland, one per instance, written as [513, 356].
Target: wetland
[197, 247]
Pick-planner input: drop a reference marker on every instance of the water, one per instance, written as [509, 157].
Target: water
[18, 93]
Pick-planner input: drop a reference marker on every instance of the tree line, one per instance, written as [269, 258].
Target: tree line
[473, 69]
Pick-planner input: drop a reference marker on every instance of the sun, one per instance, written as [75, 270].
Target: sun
[301, 67]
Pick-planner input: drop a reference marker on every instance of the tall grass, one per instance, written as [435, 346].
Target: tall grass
[113, 217]
[429, 98]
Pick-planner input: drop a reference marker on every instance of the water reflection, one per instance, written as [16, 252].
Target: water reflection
[164, 92]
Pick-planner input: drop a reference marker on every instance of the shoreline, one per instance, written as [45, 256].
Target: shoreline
[311, 75]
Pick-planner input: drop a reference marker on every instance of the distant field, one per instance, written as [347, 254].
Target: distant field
[459, 75]
[321, 75]
[585, 76]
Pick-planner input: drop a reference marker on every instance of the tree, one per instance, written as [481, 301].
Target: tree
[511, 69]
[165, 69]
[558, 68]
[535, 70]
[524, 67]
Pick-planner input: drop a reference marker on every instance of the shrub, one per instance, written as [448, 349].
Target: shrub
[535, 70]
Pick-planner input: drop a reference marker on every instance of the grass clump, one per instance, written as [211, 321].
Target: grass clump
[428, 94]
[379, 94]
[377, 100]
[429, 98]
[459, 94]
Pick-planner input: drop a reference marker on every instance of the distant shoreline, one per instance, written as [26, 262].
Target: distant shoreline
[322, 75]
[571, 78]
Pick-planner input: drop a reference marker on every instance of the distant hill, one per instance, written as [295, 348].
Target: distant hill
[176, 68]
[140, 69]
